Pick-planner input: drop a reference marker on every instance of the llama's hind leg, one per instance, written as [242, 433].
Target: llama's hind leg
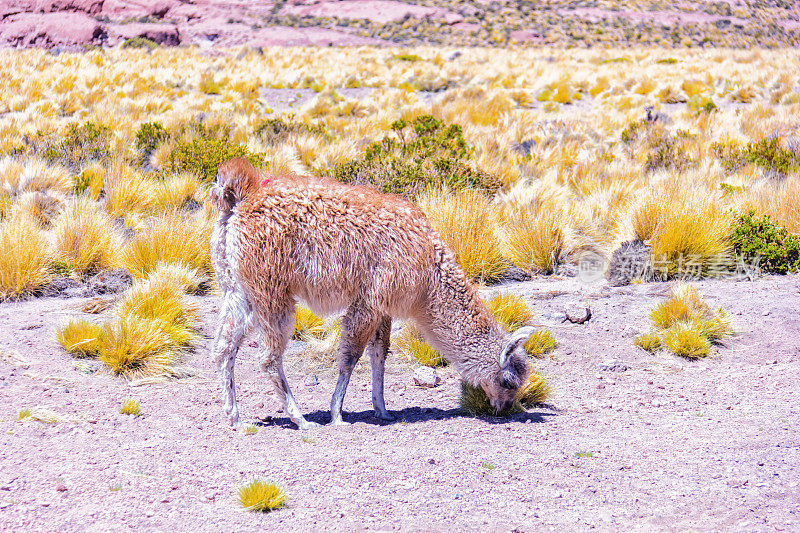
[357, 328]
[273, 366]
[234, 321]
[275, 338]
[378, 348]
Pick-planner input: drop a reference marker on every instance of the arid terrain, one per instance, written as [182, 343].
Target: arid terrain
[573, 156]
[78, 24]
[629, 440]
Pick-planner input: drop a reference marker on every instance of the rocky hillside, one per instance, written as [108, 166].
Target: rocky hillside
[72, 24]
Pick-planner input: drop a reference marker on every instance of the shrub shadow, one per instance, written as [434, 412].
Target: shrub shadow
[409, 415]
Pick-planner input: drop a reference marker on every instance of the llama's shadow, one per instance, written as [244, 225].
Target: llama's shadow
[409, 415]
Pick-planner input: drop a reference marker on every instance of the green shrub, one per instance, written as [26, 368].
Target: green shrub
[667, 61]
[770, 155]
[140, 42]
[701, 104]
[275, 130]
[421, 153]
[413, 58]
[150, 135]
[730, 155]
[202, 156]
[81, 144]
[778, 250]
[668, 151]
[634, 131]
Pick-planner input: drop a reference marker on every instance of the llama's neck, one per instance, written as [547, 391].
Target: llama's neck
[458, 324]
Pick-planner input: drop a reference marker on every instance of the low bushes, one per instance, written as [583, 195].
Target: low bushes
[777, 250]
[422, 153]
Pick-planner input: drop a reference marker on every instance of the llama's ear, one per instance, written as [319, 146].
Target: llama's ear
[520, 336]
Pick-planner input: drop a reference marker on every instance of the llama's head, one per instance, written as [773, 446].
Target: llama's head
[501, 387]
[236, 178]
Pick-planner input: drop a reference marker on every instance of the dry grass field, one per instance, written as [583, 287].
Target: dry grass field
[557, 165]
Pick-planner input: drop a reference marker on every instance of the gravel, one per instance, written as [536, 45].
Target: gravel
[668, 444]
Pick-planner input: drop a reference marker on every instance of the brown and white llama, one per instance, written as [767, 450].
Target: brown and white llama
[336, 247]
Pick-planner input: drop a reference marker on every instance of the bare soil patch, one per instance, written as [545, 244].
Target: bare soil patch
[667, 444]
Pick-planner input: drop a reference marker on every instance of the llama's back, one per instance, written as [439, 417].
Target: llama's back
[334, 246]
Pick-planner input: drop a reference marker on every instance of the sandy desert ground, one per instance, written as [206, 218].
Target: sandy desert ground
[665, 444]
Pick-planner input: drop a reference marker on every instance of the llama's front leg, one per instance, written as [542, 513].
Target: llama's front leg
[273, 366]
[233, 324]
[378, 348]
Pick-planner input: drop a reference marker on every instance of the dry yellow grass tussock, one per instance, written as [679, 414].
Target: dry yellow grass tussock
[136, 347]
[161, 300]
[170, 237]
[128, 190]
[33, 176]
[174, 191]
[510, 311]
[24, 257]
[410, 342]
[188, 279]
[466, 222]
[80, 338]
[261, 496]
[688, 227]
[85, 237]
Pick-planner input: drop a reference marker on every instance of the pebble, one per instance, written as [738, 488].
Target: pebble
[311, 380]
[426, 376]
[613, 365]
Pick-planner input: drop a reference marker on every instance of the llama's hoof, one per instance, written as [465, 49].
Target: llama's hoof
[305, 424]
[385, 415]
[232, 420]
[339, 422]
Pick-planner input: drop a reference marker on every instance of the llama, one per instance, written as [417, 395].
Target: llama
[345, 248]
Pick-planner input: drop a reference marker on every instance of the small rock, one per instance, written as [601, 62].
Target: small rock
[61, 487]
[613, 365]
[577, 313]
[109, 282]
[149, 513]
[524, 147]
[431, 461]
[738, 483]
[311, 380]
[426, 376]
